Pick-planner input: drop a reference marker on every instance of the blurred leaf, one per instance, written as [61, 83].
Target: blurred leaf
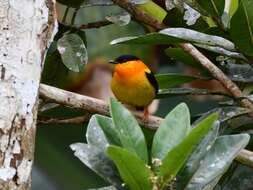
[179, 55]
[217, 160]
[213, 7]
[165, 93]
[241, 29]
[191, 15]
[105, 188]
[129, 131]
[233, 7]
[171, 132]
[170, 80]
[196, 157]
[131, 168]
[239, 72]
[96, 160]
[109, 129]
[221, 51]
[120, 19]
[177, 35]
[95, 135]
[175, 158]
[73, 52]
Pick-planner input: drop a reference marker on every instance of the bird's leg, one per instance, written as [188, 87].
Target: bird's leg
[145, 114]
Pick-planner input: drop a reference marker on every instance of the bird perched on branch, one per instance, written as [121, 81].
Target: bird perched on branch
[133, 83]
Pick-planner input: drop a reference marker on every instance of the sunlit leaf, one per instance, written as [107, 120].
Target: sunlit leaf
[176, 157]
[171, 132]
[73, 52]
[96, 160]
[109, 129]
[131, 168]
[95, 136]
[105, 188]
[217, 160]
[193, 163]
[129, 131]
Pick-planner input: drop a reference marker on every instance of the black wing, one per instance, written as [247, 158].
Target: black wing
[152, 80]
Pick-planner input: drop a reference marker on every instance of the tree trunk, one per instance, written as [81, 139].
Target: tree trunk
[26, 29]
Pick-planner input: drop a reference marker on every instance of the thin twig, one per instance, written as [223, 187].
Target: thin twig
[65, 15]
[143, 17]
[75, 120]
[90, 25]
[93, 105]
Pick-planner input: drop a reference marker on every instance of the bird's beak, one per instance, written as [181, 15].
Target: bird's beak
[113, 62]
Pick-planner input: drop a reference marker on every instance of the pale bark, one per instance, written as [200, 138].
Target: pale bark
[26, 29]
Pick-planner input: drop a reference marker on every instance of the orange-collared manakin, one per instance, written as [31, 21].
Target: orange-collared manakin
[133, 83]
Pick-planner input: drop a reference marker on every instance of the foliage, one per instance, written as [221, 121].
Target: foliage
[221, 30]
[197, 154]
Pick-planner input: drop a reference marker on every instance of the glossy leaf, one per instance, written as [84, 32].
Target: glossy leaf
[129, 131]
[109, 129]
[95, 136]
[177, 35]
[175, 159]
[198, 37]
[170, 80]
[97, 161]
[193, 163]
[132, 169]
[171, 132]
[73, 52]
[241, 29]
[150, 39]
[217, 160]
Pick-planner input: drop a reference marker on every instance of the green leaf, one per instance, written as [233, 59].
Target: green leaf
[109, 129]
[217, 160]
[213, 7]
[95, 135]
[171, 132]
[241, 29]
[129, 131]
[96, 160]
[175, 159]
[151, 39]
[179, 55]
[193, 163]
[198, 37]
[73, 52]
[132, 169]
[177, 35]
[170, 80]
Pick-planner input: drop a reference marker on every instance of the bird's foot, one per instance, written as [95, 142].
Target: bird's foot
[145, 115]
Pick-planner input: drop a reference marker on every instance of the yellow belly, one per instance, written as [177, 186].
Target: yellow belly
[134, 91]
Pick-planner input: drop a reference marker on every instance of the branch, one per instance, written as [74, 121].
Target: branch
[75, 120]
[93, 105]
[89, 104]
[143, 17]
[90, 25]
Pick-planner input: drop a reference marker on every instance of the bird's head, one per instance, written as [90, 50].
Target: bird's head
[127, 65]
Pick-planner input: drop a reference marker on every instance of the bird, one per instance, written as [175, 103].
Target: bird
[133, 83]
